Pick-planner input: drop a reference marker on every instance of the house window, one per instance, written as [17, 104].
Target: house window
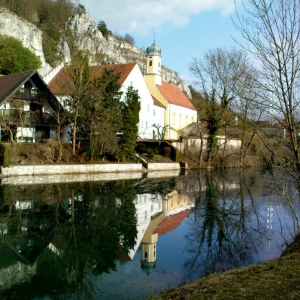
[153, 112]
[186, 120]
[159, 64]
[174, 118]
[193, 120]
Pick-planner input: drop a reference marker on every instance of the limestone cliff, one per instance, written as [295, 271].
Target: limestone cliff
[86, 35]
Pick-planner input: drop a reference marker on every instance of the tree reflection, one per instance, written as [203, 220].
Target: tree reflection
[221, 236]
[88, 225]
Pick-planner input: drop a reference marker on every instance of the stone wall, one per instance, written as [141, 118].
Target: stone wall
[163, 167]
[82, 169]
[69, 169]
[64, 178]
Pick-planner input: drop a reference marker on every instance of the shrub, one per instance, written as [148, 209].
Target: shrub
[15, 58]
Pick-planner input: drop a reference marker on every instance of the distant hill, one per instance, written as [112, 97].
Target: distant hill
[54, 47]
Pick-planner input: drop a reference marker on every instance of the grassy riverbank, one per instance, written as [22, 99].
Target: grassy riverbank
[275, 279]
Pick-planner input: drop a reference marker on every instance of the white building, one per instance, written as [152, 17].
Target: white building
[130, 75]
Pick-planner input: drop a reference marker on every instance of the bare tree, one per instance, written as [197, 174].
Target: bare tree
[272, 32]
[218, 76]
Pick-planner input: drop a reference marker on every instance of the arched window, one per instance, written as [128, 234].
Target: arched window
[150, 63]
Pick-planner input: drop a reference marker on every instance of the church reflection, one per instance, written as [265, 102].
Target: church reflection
[67, 233]
[34, 220]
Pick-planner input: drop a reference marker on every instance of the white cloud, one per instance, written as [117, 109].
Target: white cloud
[139, 17]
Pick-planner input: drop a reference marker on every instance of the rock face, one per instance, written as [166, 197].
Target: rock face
[86, 36]
[27, 33]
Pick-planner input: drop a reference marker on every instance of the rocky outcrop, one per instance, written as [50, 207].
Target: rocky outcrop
[112, 50]
[86, 36]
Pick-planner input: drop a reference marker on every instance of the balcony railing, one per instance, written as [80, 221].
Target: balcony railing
[14, 116]
[29, 94]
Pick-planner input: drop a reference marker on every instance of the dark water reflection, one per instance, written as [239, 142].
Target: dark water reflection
[128, 239]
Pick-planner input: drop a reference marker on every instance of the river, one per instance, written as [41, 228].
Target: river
[106, 237]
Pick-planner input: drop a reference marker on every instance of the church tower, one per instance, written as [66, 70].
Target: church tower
[153, 62]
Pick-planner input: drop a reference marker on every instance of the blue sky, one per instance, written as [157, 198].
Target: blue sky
[183, 29]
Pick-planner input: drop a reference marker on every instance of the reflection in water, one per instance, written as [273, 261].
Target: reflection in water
[130, 238]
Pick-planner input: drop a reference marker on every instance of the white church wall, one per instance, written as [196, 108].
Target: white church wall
[147, 119]
[159, 120]
[179, 118]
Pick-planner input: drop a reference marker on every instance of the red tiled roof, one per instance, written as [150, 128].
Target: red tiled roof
[174, 95]
[157, 103]
[59, 84]
[171, 223]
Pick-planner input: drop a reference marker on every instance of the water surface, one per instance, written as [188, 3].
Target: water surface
[112, 238]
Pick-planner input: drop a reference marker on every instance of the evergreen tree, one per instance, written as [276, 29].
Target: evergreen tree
[103, 29]
[101, 119]
[130, 115]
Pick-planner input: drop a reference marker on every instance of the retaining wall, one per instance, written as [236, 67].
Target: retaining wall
[64, 178]
[77, 169]
[163, 167]
[70, 169]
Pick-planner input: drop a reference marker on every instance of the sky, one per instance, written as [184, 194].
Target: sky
[183, 29]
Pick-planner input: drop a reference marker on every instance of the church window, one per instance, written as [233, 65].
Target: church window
[186, 120]
[159, 64]
[150, 63]
[146, 254]
[193, 120]
[153, 112]
[174, 118]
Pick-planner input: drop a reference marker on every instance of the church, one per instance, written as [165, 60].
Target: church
[165, 109]
[179, 112]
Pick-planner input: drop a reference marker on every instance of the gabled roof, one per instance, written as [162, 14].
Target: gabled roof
[172, 222]
[193, 129]
[58, 84]
[174, 95]
[157, 103]
[10, 84]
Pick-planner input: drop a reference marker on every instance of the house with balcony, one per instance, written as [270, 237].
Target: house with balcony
[26, 108]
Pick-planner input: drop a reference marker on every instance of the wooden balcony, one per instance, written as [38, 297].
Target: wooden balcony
[15, 116]
[29, 94]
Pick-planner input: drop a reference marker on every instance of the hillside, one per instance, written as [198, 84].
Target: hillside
[85, 34]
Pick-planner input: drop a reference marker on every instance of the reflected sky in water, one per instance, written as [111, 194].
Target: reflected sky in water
[98, 237]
